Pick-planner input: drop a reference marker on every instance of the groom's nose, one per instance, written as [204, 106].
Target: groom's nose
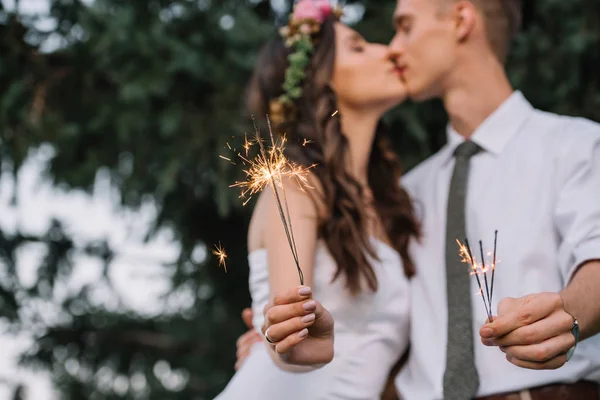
[395, 49]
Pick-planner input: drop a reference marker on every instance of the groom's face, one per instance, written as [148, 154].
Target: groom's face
[424, 46]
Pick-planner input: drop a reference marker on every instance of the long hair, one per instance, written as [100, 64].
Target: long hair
[344, 227]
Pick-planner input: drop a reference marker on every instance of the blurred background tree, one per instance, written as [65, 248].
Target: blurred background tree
[150, 92]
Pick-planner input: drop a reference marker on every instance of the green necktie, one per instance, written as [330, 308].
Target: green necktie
[460, 379]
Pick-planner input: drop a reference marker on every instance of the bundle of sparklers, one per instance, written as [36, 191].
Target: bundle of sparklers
[269, 168]
[481, 269]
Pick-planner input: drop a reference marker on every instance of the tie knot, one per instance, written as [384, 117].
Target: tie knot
[466, 149]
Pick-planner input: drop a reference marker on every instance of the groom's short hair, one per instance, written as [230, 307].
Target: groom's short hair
[502, 22]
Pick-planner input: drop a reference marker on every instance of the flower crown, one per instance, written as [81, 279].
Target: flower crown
[300, 35]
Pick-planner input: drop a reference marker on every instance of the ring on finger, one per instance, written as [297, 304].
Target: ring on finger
[268, 338]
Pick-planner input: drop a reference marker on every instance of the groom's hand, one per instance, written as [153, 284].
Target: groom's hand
[533, 331]
[247, 340]
[300, 330]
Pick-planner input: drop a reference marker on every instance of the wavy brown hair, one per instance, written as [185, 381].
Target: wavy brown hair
[344, 227]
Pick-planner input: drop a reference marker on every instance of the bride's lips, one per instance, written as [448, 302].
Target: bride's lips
[399, 70]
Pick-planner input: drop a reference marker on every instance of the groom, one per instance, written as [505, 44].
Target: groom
[533, 176]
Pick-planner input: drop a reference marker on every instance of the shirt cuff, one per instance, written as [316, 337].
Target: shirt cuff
[584, 252]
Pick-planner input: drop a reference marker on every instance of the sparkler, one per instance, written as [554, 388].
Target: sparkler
[493, 265]
[465, 252]
[480, 269]
[269, 168]
[219, 252]
[487, 289]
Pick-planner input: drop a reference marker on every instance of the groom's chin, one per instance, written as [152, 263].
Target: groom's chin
[421, 95]
[421, 91]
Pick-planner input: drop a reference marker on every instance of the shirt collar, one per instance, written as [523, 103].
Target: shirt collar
[497, 129]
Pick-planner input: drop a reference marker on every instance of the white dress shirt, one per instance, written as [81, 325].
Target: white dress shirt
[537, 182]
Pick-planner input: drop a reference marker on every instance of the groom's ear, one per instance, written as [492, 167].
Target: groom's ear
[466, 16]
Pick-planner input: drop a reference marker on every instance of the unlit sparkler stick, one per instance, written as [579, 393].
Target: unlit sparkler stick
[493, 267]
[484, 270]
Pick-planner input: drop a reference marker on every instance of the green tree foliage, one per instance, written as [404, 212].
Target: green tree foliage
[151, 92]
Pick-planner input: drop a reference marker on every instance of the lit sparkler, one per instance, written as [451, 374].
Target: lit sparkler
[219, 252]
[269, 168]
[478, 269]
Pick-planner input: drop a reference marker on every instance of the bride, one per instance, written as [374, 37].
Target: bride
[326, 89]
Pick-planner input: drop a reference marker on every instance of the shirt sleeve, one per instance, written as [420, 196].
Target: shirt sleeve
[577, 212]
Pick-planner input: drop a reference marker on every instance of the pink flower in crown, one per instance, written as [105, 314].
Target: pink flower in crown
[325, 7]
[317, 10]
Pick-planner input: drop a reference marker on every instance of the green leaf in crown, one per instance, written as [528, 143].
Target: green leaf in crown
[300, 35]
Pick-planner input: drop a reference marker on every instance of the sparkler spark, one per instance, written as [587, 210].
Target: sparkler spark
[226, 158]
[247, 144]
[270, 166]
[219, 252]
[335, 112]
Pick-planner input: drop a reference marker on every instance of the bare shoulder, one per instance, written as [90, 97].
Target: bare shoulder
[303, 198]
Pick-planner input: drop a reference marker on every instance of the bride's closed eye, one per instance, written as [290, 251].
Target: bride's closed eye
[356, 43]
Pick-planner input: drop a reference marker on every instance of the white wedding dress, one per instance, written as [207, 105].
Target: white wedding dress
[371, 333]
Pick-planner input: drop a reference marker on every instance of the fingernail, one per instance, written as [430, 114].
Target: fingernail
[487, 332]
[308, 318]
[309, 305]
[304, 291]
[303, 333]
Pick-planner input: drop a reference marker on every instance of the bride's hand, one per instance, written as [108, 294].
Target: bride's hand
[298, 328]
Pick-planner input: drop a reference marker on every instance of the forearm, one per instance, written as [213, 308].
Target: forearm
[289, 367]
[582, 298]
